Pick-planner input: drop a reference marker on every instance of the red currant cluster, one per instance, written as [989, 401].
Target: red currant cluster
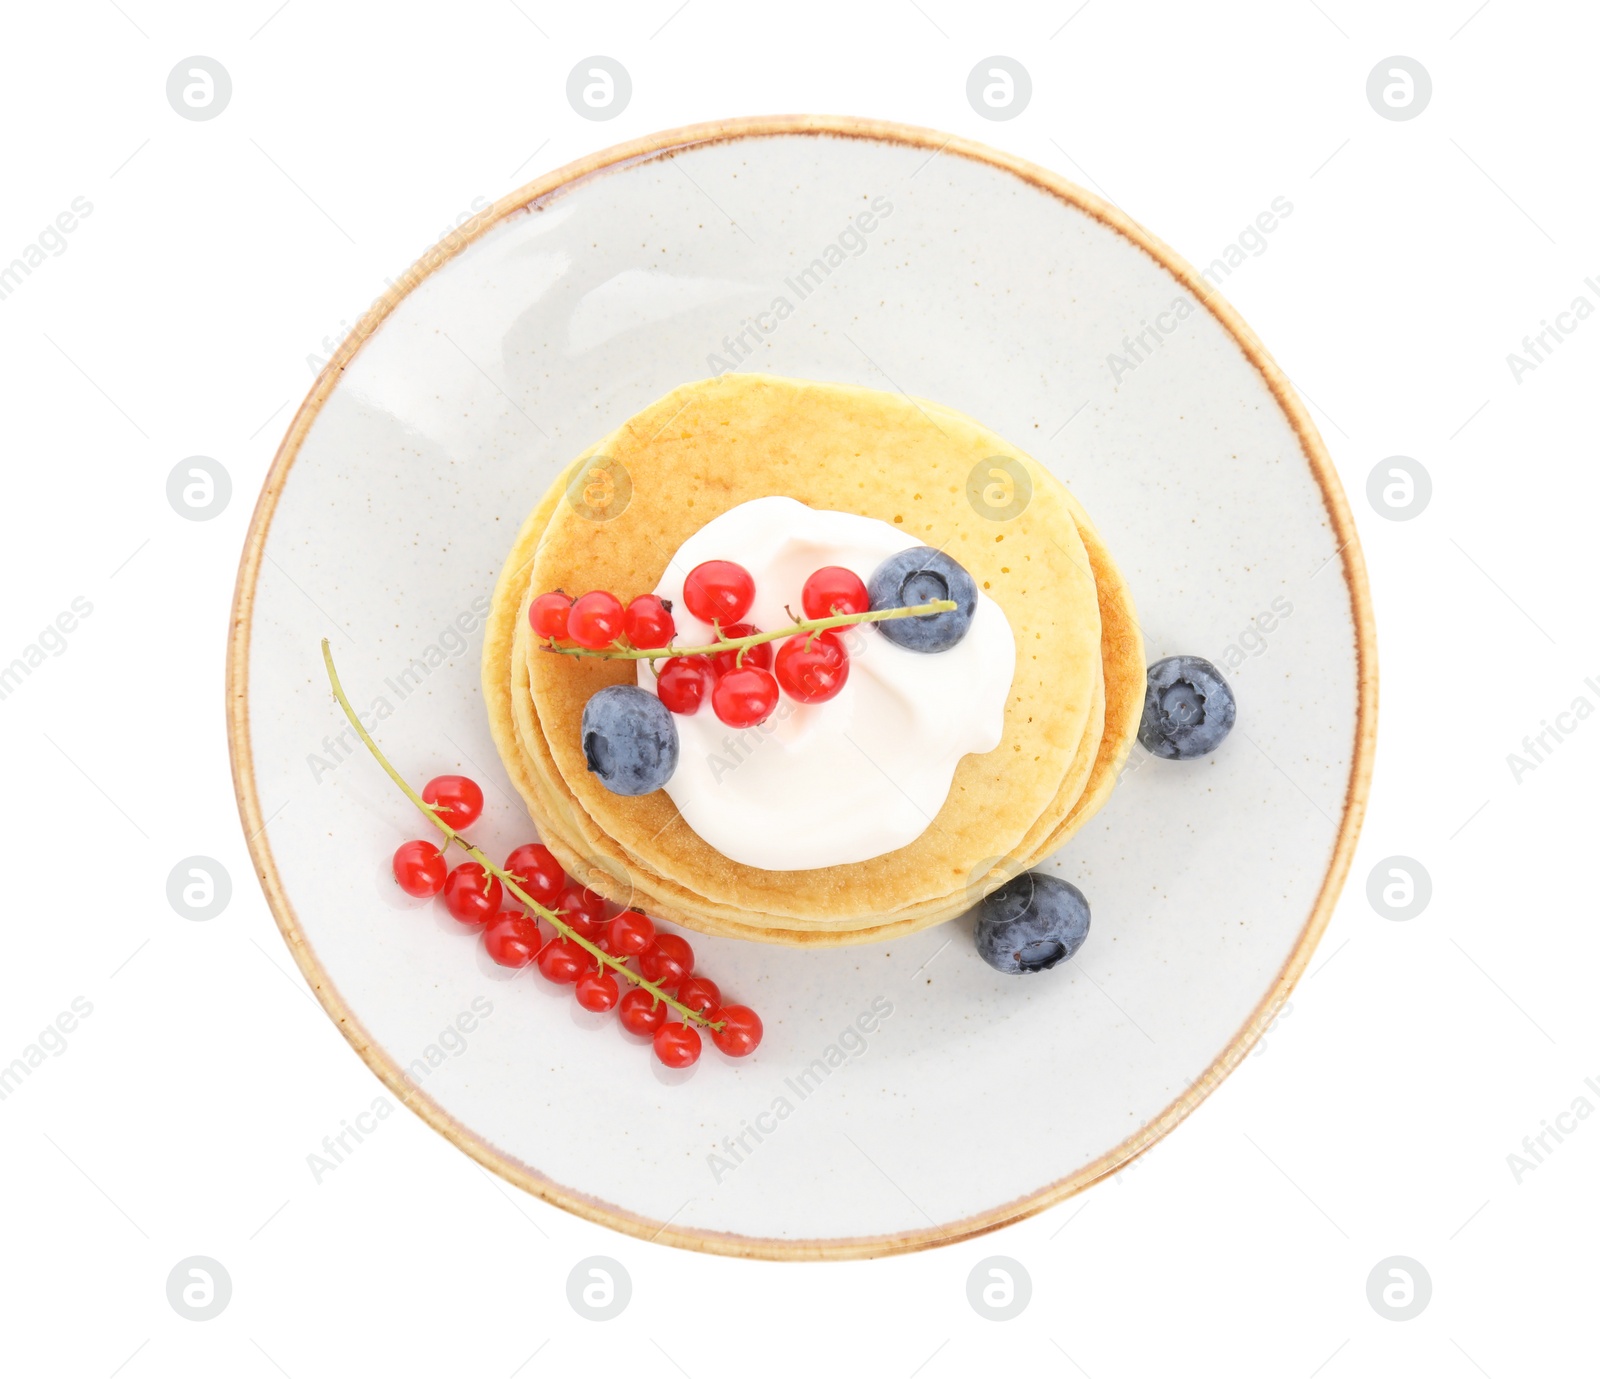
[514, 938]
[741, 682]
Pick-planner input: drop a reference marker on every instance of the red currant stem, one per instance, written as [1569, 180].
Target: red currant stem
[552, 917]
[917, 610]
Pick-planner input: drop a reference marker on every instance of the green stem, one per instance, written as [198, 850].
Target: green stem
[917, 610]
[553, 917]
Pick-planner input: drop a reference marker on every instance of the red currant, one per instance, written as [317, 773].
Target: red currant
[595, 620]
[667, 961]
[547, 615]
[759, 655]
[640, 1013]
[834, 589]
[597, 991]
[744, 698]
[457, 798]
[419, 868]
[538, 873]
[629, 934]
[648, 622]
[472, 895]
[677, 1045]
[563, 961]
[719, 591]
[740, 1032]
[685, 682]
[700, 994]
[513, 940]
[812, 667]
[582, 909]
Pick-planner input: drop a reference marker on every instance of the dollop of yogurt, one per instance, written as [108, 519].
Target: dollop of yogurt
[821, 785]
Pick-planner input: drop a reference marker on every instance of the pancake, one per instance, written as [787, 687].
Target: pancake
[586, 851]
[710, 446]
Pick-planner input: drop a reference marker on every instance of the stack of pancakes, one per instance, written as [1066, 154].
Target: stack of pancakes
[619, 515]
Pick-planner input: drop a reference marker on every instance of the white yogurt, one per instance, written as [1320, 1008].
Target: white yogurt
[820, 785]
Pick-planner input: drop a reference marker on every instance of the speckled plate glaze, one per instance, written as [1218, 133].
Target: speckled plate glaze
[906, 1095]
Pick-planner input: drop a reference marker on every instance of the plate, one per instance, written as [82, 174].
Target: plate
[905, 1094]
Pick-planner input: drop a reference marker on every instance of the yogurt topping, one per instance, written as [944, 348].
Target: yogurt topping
[821, 785]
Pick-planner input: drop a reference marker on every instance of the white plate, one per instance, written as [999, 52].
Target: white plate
[989, 285]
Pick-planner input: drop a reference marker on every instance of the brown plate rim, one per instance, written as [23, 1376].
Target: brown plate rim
[539, 193]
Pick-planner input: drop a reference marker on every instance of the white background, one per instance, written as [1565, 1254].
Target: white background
[1376, 1117]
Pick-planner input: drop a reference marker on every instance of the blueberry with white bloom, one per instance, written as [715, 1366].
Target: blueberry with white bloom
[1031, 923]
[629, 740]
[921, 575]
[1188, 708]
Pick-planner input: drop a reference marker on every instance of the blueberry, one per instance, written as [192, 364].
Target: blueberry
[919, 576]
[1188, 708]
[1031, 923]
[629, 740]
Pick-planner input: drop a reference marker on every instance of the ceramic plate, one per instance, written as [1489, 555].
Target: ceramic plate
[890, 1073]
